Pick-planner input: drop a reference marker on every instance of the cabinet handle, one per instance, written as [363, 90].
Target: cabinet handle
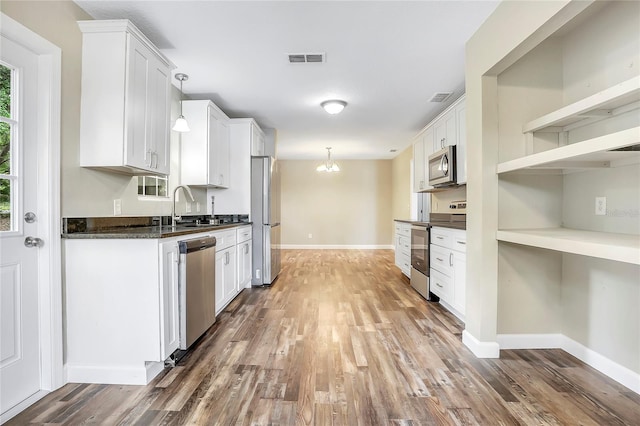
[461, 242]
[438, 285]
[441, 260]
[440, 238]
[226, 258]
[246, 248]
[450, 259]
[150, 165]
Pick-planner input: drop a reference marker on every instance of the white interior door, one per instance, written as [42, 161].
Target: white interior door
[20, 368]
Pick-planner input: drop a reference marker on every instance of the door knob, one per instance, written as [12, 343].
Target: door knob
[33, 242]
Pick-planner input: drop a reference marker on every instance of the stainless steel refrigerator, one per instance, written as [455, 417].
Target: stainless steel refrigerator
[265, 215]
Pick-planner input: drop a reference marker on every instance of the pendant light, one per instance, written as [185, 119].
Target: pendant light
[330, 166]
[181, 123]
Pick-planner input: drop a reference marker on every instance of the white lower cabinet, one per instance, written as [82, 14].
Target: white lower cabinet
[121, 308]
[403, 247]
[233, 264]
[225, 277]
[243, 251]
[448, 260]
[169, 310]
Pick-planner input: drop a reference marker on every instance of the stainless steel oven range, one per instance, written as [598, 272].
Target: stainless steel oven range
[420, 260]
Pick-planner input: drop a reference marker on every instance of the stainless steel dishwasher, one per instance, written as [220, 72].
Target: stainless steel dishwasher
[197, 288]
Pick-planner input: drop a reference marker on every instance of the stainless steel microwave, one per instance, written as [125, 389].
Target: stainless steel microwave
[442, 167]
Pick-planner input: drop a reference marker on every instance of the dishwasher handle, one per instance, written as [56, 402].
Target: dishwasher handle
[196, 244]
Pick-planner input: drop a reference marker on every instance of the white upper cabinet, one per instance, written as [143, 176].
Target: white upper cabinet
[204, 151]
[461, 145]
[419, 177]
[125, 102]
[446, 131]
[257, 140]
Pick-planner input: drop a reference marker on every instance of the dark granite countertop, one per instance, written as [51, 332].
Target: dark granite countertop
[138, 232]
[141, 227]
[443, 220]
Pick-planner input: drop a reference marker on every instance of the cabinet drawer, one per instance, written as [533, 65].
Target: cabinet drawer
[441, 285]
[405, 245]
[405, 229]
[441, 259]
[455, 239]
[225, 239]
[441, 237]
[243, 234]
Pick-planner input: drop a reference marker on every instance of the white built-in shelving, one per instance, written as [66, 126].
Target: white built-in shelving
[603, 245]
[612, 101]
[599, 152]
[592, 153]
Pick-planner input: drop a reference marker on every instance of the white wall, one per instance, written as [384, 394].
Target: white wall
[351, 207]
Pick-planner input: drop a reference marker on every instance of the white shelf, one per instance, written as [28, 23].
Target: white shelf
[592, 153]
[596, 106]
[604, 245]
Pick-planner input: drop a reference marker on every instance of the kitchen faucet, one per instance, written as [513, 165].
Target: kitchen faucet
[187, 191]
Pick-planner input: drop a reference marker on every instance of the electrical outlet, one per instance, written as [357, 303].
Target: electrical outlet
[117, 207]
[310, 236]
[187, 208]
[601, 206]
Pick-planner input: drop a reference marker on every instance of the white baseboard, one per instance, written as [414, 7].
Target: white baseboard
[606, 366]
[114, 374]
[451, 309]
[19, 408]
[480, 349]
[529, 341]
[337, 247]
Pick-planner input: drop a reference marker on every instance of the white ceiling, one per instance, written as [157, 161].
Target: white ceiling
[385, 58]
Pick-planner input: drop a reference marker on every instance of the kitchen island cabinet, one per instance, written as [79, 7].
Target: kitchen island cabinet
[125, 103]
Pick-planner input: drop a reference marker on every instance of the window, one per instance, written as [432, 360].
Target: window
[153, 186]
[8, 125]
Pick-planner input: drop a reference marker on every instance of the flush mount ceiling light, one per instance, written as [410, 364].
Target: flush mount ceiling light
[330, 166]
[333, 106]
[181, 123]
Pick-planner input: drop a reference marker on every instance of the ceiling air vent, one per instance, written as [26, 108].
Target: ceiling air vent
[302, 58]
[440, 96]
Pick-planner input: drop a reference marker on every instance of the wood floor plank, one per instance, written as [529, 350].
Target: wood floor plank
[341, 338]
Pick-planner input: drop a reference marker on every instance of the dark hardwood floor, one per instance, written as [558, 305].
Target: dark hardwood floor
[341, 338]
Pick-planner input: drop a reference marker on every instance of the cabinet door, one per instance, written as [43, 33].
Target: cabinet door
[461, 146]
[223, 154]
[138, 151]
[257, 141]
[445, 131]
[429, 136]
[244, 265]
[230, 274]
[220, 276]
[418, 164]
[212, 146]
[460, 281]
[159, 114]
[169, 308]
